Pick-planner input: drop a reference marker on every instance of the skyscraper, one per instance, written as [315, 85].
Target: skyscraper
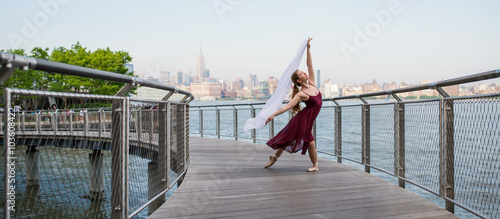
[206, 73]
[164, 76]
[318, 78]
[200, 65]
[180, 76]
[251, 82]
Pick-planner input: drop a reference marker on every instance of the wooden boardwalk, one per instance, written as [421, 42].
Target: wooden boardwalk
[227, 179]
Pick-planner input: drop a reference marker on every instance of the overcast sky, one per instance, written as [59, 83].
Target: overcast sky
[355, 41]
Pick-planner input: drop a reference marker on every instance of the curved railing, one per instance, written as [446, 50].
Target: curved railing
[113, 157]
[448, 146]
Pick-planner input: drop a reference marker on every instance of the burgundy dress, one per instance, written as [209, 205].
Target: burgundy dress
[297, 133]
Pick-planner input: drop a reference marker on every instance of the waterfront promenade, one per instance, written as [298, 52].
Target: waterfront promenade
[227, 179]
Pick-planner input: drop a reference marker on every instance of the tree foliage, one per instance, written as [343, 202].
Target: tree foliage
[101, 59]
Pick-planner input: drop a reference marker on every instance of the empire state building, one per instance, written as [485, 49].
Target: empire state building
[200, 65]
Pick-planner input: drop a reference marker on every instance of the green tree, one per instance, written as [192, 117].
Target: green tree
[101, 59]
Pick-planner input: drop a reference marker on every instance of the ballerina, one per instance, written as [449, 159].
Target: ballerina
[296, 135]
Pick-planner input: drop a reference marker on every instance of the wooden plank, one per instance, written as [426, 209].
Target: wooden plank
[227, 179]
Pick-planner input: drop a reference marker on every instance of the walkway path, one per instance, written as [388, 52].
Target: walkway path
[228, 179]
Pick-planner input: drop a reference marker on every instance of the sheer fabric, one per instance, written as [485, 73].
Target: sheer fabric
[284, 84]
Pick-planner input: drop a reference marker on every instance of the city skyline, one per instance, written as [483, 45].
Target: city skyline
[389, 40]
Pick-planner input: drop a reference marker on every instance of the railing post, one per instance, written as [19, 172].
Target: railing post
[338, 132]
[366, 136]
[55, 123]
[86, 122]
[6, 152]
[399, 142]
[38, 123]
[254, 134]
[71, 122]
[100, 123]
[103, 116]
[151, 126]
[217, 117]
[448, 153]
[235, 123]
[139, 125]
[17, 115]
[168, 142]
[158, 180]
[96, 173]
[119, 159]
[185, 136]
[23, 121]
[201, 122]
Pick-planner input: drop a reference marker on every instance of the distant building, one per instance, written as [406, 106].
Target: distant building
[330, 90]
[200, 65]
[273, 85]
[151, 78]
[180, 77]
[206, 89]
[263, 89]
[187, 79]
[251, 82]
[164, 76]
[369, 88]
[318, 78]
[228, 94]
[427, 92]
[206, 73]
[237, 85]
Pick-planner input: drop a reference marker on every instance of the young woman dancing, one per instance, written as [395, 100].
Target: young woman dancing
[297, 134]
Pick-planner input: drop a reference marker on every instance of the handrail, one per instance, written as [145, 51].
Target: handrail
[434, 85]
[12, 61]
[116, 129]
[452, 122]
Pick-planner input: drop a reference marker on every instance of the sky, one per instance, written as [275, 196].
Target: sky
[354, 41]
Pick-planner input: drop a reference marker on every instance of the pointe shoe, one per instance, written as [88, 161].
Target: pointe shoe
[314, 168]
[272, 160]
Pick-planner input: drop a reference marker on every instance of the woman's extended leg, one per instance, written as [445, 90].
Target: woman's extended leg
[313, 155]
[279, 152]
[274, 158]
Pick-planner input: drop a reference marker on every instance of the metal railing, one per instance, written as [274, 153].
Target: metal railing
[448, 146]
[110, 159]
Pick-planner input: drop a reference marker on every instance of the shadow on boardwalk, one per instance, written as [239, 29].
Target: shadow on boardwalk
[228, 179]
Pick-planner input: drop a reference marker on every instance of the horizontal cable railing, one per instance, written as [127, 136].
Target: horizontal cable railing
[11, 62]
[110, 158]
[448, 146]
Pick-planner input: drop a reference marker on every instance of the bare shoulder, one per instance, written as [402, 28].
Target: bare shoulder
[303, 96]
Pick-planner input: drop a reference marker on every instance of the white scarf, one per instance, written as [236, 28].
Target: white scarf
[284, 84]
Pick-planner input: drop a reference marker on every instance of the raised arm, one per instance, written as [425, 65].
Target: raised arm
[286, 107]
[312, 77]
